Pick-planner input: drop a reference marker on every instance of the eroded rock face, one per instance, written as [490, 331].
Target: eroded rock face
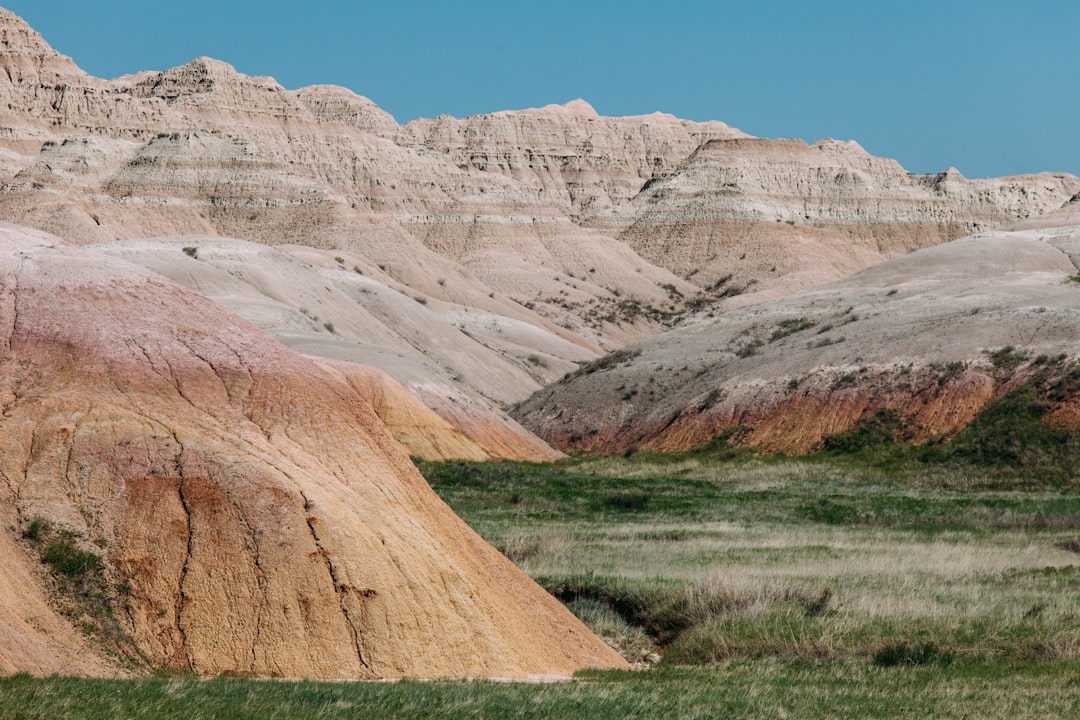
[925, 335]
[584, 162]
[602, 227]
[463, 362]
[535, 239]
[760, 219]
[258, 513]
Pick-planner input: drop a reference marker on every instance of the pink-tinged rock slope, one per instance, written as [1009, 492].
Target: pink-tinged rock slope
[257, 513]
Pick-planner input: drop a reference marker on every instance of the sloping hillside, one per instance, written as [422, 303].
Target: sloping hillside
[250, 512]
[935, 336]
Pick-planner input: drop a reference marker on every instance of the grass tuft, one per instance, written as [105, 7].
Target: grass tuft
[905, 653]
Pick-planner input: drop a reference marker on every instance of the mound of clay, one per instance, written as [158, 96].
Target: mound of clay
[257, 515]
[463, 362]
[935, 336]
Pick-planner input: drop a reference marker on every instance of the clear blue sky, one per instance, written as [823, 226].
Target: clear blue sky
[990, 87]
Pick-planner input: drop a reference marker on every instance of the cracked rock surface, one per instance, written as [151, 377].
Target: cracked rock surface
[258, 513]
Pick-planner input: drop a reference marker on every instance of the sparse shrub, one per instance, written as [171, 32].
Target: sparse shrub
[36, 529]
[828, 511]
[1070, 545]
[672, 291]
[884, 427]
[950, 372]
[329, 327]
[339, 260]
[66, 558]
[790, 327]
[844, 380]
[523, 547]
[725, 445]
[630, 501]
[715, 395]
[192, 252]
[1007, 358]
[748, 349]
[607, 361]
[819, 606]
[629, 641]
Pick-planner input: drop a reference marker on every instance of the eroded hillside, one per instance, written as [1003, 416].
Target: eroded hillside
[252, 513]
[933, 336]
[534, 239]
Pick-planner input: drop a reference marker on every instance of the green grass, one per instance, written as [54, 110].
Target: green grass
[718, 556]
[739, 689]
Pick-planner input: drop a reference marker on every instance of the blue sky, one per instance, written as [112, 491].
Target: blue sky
[990, 87]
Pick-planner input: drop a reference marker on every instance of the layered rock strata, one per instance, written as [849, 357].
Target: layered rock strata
[528, 241]
[758, 219]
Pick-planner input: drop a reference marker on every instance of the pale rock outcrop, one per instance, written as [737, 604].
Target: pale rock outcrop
[325, 304]
[917, 335]
[218, 152]
[333, 104]
[581, 161]
[759, 218]
[260, 516]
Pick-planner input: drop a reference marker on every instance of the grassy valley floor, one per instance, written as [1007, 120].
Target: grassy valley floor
[700, 559]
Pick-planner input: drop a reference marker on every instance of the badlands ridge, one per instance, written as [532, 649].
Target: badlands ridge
[232, 310]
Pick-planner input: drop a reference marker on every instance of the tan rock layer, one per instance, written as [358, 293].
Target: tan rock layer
[777, 216]
[416, 426]
[261, 516]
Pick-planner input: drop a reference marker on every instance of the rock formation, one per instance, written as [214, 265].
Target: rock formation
[758, 219]
[599, 230]
[257, 515]
[255, 509]
[934, 335]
